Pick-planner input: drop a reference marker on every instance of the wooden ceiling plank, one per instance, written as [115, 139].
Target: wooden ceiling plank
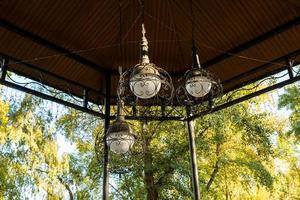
[253, 42]
[261, 67]
[43, 42]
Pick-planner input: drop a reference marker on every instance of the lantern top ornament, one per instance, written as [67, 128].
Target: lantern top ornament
[144, 46]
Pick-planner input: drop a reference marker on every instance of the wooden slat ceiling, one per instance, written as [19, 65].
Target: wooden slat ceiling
[42, 33]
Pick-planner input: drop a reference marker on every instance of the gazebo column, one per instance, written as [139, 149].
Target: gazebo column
[193, 156]
[106, 126]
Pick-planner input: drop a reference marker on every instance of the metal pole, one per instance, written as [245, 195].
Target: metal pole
[193, 159]
[4, 63]
[106, 150]
[85, 98]
[289, 65]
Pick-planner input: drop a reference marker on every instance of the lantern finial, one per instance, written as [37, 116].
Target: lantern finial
[144, 46]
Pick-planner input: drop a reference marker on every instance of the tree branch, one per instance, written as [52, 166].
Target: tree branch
[152, 192]
[167, 173]
[119, 193]
[67, 187]
[201, 133]
[216, 167]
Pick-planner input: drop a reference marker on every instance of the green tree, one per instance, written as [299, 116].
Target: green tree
[28, 152]
[237, 155]
[291, 100]
[234, 156]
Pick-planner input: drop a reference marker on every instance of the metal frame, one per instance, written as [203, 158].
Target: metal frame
[83, 108]
[162, 116]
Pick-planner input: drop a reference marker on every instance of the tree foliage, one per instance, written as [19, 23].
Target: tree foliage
[291, 100]
[242, 153]
[28, 153]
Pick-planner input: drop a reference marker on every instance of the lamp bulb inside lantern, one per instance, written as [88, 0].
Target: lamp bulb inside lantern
[146, 83]
[198, 86]
[120, 142]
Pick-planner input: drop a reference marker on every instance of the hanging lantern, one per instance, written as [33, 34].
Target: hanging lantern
[145, 84]
[145, 81]
[197, 80]
[119, 135]
[199, 84]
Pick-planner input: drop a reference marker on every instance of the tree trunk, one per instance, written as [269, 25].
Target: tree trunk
[216, 167]
[226, 186]
[67, 188]
[152, 191]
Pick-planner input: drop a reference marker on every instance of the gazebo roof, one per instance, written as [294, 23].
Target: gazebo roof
[74, 45]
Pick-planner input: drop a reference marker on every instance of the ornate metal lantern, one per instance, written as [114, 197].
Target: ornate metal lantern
[146, 81]
[119, 135]
[198, 84]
